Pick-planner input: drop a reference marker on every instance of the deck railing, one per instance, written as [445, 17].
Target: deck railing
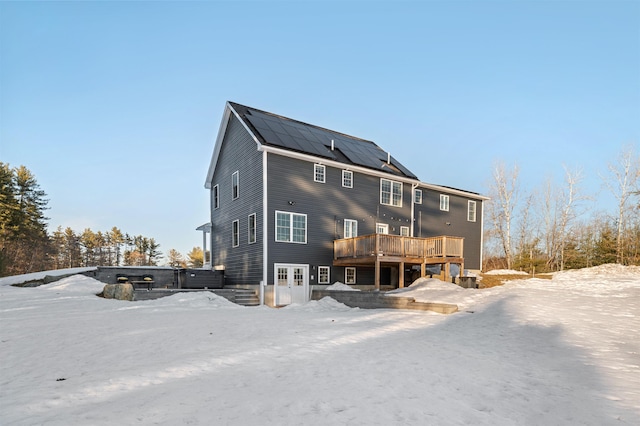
[397, 246]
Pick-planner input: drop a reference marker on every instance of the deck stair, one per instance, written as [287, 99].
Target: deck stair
[240, 296]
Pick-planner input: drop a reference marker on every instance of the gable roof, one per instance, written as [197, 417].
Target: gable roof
[293, 135]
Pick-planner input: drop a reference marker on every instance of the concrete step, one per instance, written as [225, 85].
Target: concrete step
[241, 296]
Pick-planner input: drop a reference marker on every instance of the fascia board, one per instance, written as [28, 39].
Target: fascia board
[452, 191]
[228, 110]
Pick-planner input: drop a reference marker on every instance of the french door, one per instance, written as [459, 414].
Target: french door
[291, 283]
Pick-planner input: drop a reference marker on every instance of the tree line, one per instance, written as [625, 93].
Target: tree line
[549, 228]
[26, 246]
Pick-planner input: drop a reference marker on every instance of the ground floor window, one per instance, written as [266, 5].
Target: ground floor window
[349, 275]
[323, 275]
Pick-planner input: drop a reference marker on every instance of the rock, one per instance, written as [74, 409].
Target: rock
[118, 291]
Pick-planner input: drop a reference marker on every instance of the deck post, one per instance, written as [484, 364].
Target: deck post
[447, 271]
[377, 274]
[401, 275]
[422, 270]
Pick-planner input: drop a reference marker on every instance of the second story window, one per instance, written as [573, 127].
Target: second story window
[444, 203]
[319, 172]
[350, 228]
[235, 185]
[390, 192]
[347, 179]
[251, 228]
[291, 227]
[235, 233]
[404, 231]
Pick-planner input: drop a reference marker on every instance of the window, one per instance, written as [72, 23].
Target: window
[215, 197]
[350, 275]
[235, 185]
[323, 274]
[390, 193]
[404, 231]
[347, 179]
[444, 202]
[417, 196]
[291, 227]
[350, 228]
[382, 228]
[319, 173]
[471, 211]
[251, 227]
[235, 237]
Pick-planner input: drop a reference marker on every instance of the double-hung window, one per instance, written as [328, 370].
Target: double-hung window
[235, 185]
[347, 179]
[291, 227]
[404, 231]
[319, 173]
[215, 196]
[390, 192]
[251, 228]
[444, 203]
[323, 274]
[350, 228]
[349, 275]
[417, 196]
[471, 211]
[235, 233]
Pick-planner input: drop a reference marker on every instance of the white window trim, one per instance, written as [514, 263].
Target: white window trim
[384, 226]
[316, 168]
[235, 177]
[406, 229]
[291, 214]
[328, 269]
[346, 275]
[344, 174]
[392, 183]
[235, 233]
[255, 229]
[354, 227]
[475, 205]
[417, 196]
[444, 202]
[216, 196]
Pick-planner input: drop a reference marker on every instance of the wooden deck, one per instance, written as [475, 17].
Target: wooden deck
[377, 249]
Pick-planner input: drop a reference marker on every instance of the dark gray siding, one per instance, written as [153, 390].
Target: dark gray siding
[430, 221]
[326, 206]
[243, 264]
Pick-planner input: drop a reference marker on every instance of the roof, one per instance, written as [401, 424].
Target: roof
[282, 132]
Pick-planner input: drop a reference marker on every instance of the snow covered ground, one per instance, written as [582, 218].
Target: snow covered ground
[564, 351]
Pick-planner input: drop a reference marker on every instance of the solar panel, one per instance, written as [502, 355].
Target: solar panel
[314, 140]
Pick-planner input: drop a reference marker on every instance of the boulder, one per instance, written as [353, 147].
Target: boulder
[118, 291]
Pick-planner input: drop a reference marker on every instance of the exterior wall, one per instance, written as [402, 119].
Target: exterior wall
[291, 188]
[430, 221]
[243, 264]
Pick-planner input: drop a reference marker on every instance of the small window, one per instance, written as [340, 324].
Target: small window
[236, 233]
[390, 193]
[347, 179]
[319, 173]
[323, 274]
[471, 211]
[235, 185]
[382, 228]
[350, 228]
[404, 231]
[251, 228]
[444, 202]
[291, 227]
[215, 196]
[417, 196]
[350, 275]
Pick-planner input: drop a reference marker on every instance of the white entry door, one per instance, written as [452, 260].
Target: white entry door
[291, 283]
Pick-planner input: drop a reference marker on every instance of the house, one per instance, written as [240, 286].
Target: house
[296, 206]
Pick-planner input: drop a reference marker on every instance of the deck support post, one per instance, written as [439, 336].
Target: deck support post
[422, 270]
[401, 275]
[377, 274]
[447, 271]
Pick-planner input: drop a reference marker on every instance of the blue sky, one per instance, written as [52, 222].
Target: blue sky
[114, 106]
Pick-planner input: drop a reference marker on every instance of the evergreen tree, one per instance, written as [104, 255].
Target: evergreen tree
[175, 259]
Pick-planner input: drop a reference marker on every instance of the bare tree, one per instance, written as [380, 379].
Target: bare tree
[504, 193]
[623, 184]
